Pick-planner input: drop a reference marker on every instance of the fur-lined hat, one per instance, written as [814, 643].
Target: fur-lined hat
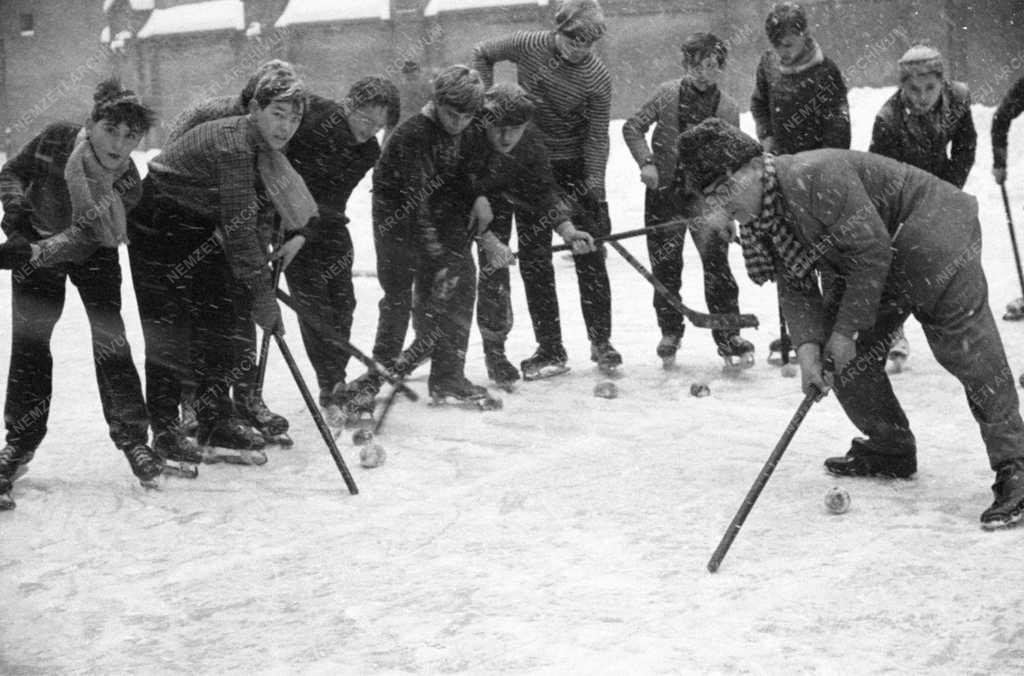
[710, 150]
[922, 60]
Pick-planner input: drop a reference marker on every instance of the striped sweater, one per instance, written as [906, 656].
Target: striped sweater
[573, 100]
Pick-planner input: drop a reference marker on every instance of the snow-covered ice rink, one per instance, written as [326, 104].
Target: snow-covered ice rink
[564, 532]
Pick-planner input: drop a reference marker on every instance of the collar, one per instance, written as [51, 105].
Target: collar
[812, 57]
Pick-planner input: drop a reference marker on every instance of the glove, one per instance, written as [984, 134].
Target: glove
[265, 311]
[15, 252]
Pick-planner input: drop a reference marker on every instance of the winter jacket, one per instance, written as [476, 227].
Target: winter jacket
[662, 110]
[573, 100]
[921, 140]
[1010, 107]
[35, 195]
[204, 111]
[801, 107]
[884, 230]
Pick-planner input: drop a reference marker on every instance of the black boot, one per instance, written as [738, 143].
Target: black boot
[1008, 490]
[548, 360]
[865, 458]
[499, 368]
[146, 464]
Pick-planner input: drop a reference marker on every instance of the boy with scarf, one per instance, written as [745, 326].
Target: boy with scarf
[1009, 108]
[216, 191]
[675, 107]
[927, 114]
[572, 89]
[65, 196]
[420, 160]
[887, 240]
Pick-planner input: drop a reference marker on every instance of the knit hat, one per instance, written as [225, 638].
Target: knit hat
[506, 104]
[580, 20]
[710, 150]
[921, 60]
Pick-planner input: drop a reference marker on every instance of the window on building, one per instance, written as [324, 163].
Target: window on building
[28, 24]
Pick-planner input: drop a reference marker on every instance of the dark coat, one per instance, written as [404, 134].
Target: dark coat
[885, 230]
[922, 140]
[1010, 107]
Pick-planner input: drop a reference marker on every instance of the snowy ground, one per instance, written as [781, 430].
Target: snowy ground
[563, 532]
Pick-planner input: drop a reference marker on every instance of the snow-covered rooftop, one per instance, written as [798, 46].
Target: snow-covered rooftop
[321, 11]
[195, 17]
[137, 5]
[435, 7]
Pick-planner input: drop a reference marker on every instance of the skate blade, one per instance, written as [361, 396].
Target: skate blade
[20, 472]
[181, 470]
[282, 440]
[213, 455]
[546, 372]
[740, 362]
[1013, 316]
[481, 404]
[506, 385]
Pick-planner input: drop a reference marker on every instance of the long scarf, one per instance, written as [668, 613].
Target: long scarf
[768, 239]
[95, 205]
[292, 199]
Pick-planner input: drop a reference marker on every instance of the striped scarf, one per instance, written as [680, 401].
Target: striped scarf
[768, 239]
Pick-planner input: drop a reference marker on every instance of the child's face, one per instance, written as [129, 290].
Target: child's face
[113, 142]
[453, 120]
[702, 73]
[277, 122]
[505, 138]
[366, 121]
[921, 92]
[790, 48]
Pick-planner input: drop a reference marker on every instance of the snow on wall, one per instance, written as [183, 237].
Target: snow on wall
[435, 7]
[320, 11]
[137, 5]
[195, 17]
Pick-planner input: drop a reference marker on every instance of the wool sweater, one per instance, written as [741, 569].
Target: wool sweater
[922, 140]
[573, 100]
[662, 110]
[801, 107]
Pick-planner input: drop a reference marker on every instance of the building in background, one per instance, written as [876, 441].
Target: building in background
[52, 52]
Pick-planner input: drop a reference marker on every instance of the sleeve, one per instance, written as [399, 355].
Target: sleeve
[239, 206]
[490, 52]
[760, 102]
[15, 175]
[859, 240]
[837, 111]
[1011, 106]
[965, 144]
[884, 139]
[634, 131]
[595, 151]
[73, 244]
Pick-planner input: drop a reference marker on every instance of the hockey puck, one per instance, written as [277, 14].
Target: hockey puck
[606, 389]
[837, 500]
[372, 455]
[699, 390]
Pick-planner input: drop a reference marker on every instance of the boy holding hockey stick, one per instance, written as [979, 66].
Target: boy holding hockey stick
[888, 241]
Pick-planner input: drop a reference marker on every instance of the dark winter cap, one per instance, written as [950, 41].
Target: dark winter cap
[580, 20]
[784, 18]
[710, 150]
[921, 60]
[506, 104]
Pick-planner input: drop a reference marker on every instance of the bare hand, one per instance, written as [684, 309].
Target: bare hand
[812, 377]
[499, 255]
[580, 241]
[480, 216]
[649, 176]
[840, 350]
[287, 251]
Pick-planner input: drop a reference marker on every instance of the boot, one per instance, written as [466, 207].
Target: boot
[146, 464]
[455, 387]
[548, 360]
[13, 463]
[607, 357]
[273, 426]
[1008, 490]
[499, 368]
[737, 352]
[231, 440]
[669, 345]
[864, 459]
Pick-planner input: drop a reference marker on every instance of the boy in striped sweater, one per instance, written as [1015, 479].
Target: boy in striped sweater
[572, 89]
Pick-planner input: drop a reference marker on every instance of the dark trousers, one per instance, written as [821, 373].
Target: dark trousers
[493, 301]
[665, 248]
[320, 280]
[443, 314]
[964, 338]
[37, 303]
[396, 271]
[534, 230]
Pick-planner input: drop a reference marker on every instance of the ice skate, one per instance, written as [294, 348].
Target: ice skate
[180, 454]
[737, 352]
[6, 501]
[1008, 507]
[13, 465]
[775, 352]
[459, 391]
[499, 369]
[866, 459]
[548, 361]
[273, 426]
[332, 403]
[146, 465]
[667, 348]
[606, 357]
[899, 351]
[230, 440]
[1014, 310]
[361, 400]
